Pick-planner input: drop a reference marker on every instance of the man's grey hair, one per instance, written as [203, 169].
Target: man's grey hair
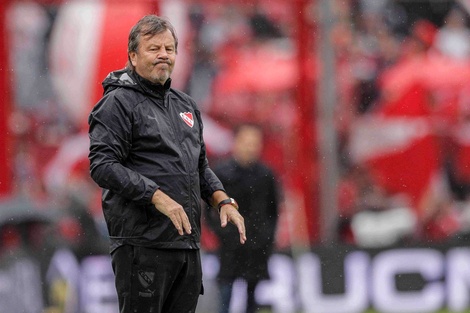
[148, 25]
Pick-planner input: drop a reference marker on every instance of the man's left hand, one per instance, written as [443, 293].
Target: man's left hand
[228, 213]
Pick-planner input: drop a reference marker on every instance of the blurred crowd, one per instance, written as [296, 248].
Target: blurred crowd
[402, 121]
[402, 106]
[390, 76]
[407, 94]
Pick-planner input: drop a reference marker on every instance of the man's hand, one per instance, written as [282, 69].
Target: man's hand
[228, 213]
[173, 210]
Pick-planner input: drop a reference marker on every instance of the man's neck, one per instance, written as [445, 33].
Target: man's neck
[152, 87]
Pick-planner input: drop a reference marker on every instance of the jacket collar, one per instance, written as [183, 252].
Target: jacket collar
[157, 90]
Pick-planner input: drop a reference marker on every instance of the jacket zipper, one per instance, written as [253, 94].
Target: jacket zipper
[186, 160]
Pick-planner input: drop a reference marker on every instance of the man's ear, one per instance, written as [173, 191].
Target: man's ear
[132, 57]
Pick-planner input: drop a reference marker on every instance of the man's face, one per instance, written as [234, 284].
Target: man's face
[155, 57]
[248, 145]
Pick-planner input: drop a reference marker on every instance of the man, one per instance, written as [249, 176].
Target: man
[255, 187]
[148, 154]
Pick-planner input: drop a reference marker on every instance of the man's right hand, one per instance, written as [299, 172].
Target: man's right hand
[173, 210]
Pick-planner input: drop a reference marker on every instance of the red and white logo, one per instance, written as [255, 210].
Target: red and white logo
[187, 118]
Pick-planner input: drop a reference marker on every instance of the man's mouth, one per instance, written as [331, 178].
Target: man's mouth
[162, 62]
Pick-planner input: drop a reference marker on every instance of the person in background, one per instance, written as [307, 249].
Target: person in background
[453, 38]
[148, 155]
[256, 188]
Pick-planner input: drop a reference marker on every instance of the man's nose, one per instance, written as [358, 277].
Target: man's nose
[163, 53]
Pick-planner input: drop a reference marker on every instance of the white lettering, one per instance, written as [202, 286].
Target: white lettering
[279, 291]
[386, 265]
[310, 282]
[458, 279]
[97, 286]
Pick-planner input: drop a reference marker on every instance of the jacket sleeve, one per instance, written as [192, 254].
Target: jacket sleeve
[110, 132]
[275, 196]
[208, 180]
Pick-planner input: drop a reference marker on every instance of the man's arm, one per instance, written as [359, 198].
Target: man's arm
[110, 131]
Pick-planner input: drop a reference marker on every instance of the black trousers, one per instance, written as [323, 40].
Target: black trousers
[157, 280]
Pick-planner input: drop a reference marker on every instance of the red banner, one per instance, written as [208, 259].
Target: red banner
[5, 105]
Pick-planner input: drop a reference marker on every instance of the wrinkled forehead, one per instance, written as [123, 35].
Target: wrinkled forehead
[165, 36]
[161, 38]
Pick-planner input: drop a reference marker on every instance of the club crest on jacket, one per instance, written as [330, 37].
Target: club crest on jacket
[187, 118]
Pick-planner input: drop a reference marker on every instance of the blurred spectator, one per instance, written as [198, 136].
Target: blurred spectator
[375, 49]
[423, 35]
[369, 216]
[453, 38]
[256, 189]
[22, 235]
[442, 223]
[262, 27]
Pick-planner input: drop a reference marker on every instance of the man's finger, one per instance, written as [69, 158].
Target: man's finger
[223, 219]
[178, 224]
[186, 224]
[241, 231]
[236, 219]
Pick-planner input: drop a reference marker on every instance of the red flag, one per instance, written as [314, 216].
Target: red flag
[88, 41]
[6, 175]
[399, 146]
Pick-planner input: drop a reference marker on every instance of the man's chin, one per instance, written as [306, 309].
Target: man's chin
[161, 78]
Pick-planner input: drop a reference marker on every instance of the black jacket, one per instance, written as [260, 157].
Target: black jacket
[144, 137]
[258, 194]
